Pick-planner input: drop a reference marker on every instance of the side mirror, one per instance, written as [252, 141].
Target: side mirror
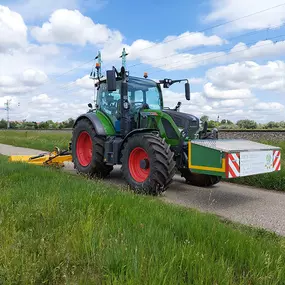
[111, 80]
[187, 91]
[90, 106]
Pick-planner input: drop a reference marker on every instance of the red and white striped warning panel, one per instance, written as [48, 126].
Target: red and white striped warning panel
[277, 160]
[248, 163]
[233, 165]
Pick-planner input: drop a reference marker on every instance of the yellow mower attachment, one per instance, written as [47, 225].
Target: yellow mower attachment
[55, 158]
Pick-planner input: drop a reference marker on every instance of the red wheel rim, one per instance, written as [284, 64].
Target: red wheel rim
[139, 173]
[84, 149]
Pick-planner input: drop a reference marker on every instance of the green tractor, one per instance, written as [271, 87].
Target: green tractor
[129, 126]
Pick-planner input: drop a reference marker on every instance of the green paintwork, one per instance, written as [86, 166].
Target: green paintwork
[154, 118]
[204, 156]
[106, 122]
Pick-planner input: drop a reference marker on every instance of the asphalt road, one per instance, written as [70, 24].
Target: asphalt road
[246, 205]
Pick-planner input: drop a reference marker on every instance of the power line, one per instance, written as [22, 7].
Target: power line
[182, 36]
[64, 73]
[222, 55]
[218, 25]
[203, 47]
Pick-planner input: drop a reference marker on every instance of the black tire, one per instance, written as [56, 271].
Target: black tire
[96, 167]
[160, 161]
[201, 180]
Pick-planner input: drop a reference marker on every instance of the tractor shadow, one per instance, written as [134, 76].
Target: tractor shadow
[221, 196]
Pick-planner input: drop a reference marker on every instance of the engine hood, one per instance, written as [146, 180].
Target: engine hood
[184, 120]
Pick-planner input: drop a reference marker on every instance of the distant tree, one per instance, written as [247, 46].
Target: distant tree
[43, 125]
[226, 122]
[228, 127]
[13, 125]
[282, 124]
[3, 124]
[204, 118]
[247, 124]
[213, 124]
[272, 125]
[69, 123]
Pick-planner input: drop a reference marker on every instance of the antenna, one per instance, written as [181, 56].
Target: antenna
[123, 56]
[98, 66]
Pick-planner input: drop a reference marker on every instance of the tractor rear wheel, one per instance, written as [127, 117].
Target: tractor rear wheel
[148, 164]
[88, 151]
[201, 180]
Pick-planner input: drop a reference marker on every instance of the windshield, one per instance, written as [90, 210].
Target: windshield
[140, 91]
[144, 91]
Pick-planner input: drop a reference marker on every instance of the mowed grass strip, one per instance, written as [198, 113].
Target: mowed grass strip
[57, 228]
[42, 140]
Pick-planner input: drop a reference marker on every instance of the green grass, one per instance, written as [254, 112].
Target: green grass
[42, 140]
[57, 228]
[46, 140]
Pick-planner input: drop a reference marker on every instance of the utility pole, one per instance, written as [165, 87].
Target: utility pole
[7, 104]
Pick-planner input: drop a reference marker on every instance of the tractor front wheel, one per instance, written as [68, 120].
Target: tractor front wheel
[201, 180]
[148, 164]
[88, 151]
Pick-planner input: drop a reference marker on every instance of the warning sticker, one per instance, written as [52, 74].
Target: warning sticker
[256, 162]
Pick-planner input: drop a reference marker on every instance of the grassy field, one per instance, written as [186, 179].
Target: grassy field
[46, 140]
[57, 228]
[42, 140]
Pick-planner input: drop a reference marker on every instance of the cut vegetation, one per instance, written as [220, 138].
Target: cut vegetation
[57, 228]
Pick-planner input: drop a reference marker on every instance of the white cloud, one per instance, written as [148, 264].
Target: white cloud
[272, 106]
[43, 99]
[229, 103]
[228, 10]
[71, 27]
[85, 82]
[19, 90]
[196, 80]
[7, 81]
[169, 51]
[22, 83]
[240, 51]
[13, 30]
[249, 74]
[213, 92]
[31, 77]
[33, 10]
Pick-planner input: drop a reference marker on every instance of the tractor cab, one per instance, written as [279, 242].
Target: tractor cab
[142, 94]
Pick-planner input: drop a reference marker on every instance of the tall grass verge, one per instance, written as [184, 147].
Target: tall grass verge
[56, 228]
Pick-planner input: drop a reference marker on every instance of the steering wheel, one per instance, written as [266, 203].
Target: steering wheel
[137, 102]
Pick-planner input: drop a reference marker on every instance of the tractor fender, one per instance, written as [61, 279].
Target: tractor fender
[137, 131]
[98, 126]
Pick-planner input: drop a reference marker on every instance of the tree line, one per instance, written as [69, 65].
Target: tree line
[37, 125]
[242, 124]
[222, 125]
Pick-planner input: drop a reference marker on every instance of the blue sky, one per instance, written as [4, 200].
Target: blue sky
[236, 70]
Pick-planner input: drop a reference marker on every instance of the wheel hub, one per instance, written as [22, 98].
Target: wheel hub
[144, 163]
[84, 149]
[139, 165]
